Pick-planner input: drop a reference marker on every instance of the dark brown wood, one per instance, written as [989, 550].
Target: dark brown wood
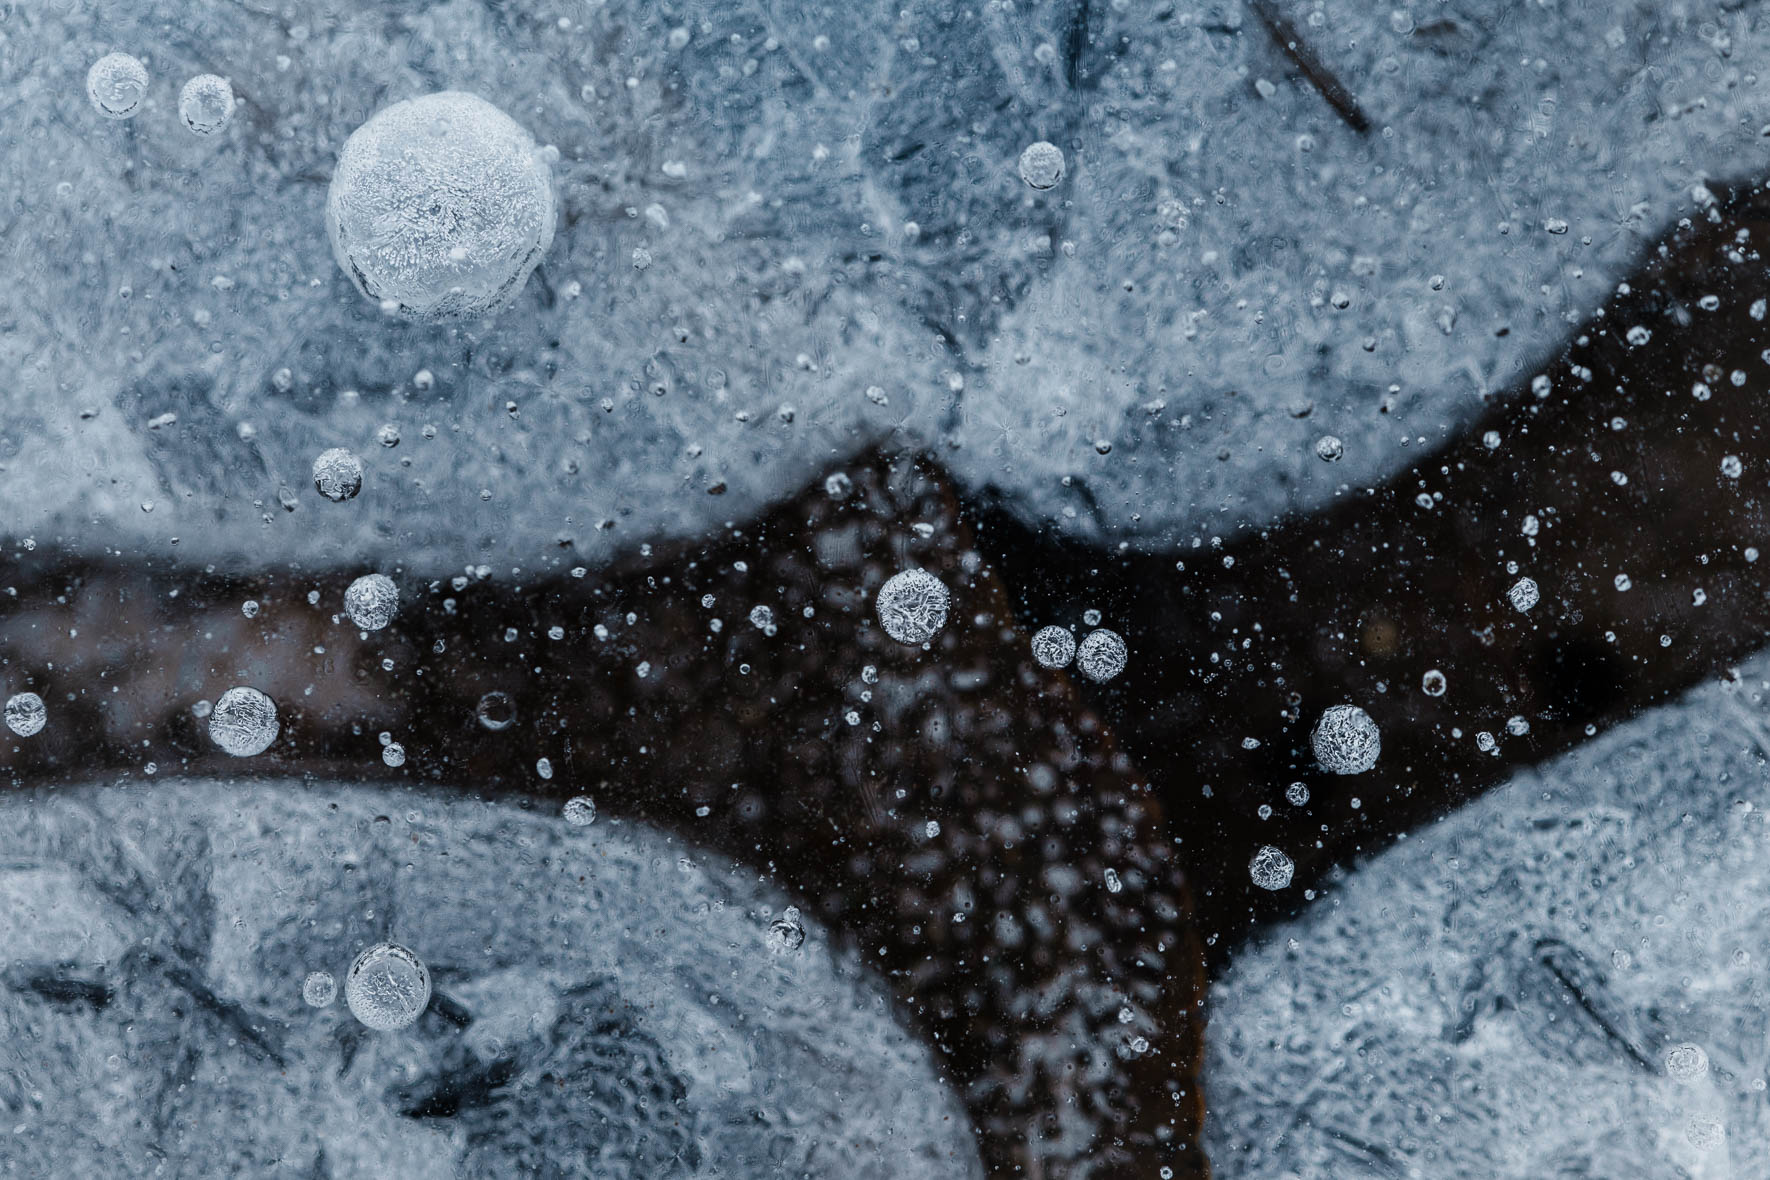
[999, 934]
[1252, 639]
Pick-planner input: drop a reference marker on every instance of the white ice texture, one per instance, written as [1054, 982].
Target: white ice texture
[441, 206]
[1510, 992]
[603, 1006]
[737, 187]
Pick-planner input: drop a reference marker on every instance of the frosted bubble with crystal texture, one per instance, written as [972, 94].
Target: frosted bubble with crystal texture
[1271, 868]
[25, 714]
[580, 811]
[371, 601]
[116, 84]
[441, 206]
[319, 989]
[388, 987]
[206, 103]
[1524, 594]
[1102, 655]
[1346, 740]
[1054, 647]
[1041, 165]
[786, 933]
[244, 722]
[338, 475]
[912, 606]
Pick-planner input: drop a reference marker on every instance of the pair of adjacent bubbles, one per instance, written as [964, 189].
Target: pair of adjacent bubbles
[244, 721]
[1100, 656]
[387, 988]
[117, 84]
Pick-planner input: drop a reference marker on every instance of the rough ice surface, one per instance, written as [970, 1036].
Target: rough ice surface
[602, 1006]
[441, 206]
[371, 601]
[244, 722]
[1564, 978]
[1345, 740]
[818, 223]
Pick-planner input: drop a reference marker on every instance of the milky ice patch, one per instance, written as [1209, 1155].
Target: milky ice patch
[1535, 986]
[780, 240]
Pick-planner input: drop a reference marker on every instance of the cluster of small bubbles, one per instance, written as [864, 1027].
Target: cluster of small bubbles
[319, 989]
[116, 84]
[1517, 726]
[393, 754]
[544, 767]
[388, 435]
[1731, 467]
[1054, 647]
[912, 606]
[206, 103]
[1113, 884]
[785, 933]
[931, 829]
[1296, 794]
[338, 475]
[440, 207]
[1329, 449]
[1101, 655]
[1686, 1062]
[1271, 869]
[1523, 595]
[496, 710]
[371, 601]
[25, 714]
[579, 811]
[1433, 683]
[1491, 440]
[1346, 740]
[244, 722]
[388, 987]
[1041, 165]
[838, 486]
[1638, 335]
[762, 618]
